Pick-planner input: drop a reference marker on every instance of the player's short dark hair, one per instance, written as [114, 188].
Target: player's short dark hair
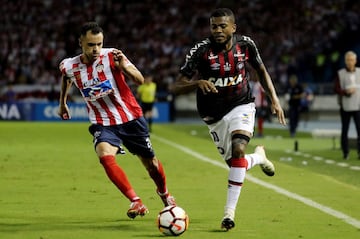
[223, 12]
[90, 26]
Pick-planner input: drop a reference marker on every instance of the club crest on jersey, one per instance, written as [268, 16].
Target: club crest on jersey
[99, 67]
[240, 66]
[226, 81]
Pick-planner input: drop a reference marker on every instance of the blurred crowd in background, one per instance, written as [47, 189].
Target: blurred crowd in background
[306, 38]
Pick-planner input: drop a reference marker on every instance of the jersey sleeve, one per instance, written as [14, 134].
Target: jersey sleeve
[193, 58]
[254, 55]
[62, 67]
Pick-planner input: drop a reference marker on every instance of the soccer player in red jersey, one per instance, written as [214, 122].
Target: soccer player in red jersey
[224, 99]
[116, 118]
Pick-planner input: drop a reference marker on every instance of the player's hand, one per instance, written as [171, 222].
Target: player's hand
[64, 112]
[121, 60]
[277, 109]
[207, 87]
[117, 54]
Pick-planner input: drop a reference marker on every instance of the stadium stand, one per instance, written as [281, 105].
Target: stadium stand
[301, 37]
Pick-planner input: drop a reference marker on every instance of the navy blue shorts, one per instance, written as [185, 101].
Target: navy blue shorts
[134, 135]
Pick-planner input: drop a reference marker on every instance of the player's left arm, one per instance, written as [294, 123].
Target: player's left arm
[122, 63]
[267, 84]
[265, 79]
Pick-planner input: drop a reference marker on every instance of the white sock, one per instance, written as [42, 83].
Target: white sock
[237, 175]
[253, 159]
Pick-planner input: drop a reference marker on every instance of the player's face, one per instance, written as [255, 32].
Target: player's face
[222, 29]
[91, 45]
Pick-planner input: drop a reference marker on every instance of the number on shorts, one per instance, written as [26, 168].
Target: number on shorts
[214, 136]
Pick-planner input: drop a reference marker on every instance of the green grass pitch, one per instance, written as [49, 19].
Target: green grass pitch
[53, 187]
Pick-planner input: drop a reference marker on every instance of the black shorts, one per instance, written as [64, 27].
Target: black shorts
[147, 107]
[134, 135]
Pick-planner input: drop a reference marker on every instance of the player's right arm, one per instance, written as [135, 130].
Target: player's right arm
[129, 69]
[63, 111]
[185, 85]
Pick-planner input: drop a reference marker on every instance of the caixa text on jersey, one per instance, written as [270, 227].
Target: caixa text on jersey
[226, 81]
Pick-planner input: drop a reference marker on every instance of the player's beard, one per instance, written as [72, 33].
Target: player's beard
[222, 45]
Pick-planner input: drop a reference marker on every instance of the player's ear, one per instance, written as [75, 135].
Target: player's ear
[234, 27]
[80, 42]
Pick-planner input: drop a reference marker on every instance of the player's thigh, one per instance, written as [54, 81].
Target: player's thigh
[105, 139]
[136, 138]
[105, 148]
[242, 118]
[221, 137]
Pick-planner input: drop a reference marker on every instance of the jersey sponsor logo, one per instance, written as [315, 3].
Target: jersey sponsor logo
[91, 83]
[97, 91]
[226, 81]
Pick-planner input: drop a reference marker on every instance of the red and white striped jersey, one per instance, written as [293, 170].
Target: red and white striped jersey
[108, 97]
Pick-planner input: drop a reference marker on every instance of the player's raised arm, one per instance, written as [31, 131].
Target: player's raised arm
[129, 69]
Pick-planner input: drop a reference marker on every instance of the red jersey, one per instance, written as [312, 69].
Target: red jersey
[108, 98]
[227, 70]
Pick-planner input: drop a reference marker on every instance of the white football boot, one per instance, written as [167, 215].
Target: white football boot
[267, 166]
[228, 219]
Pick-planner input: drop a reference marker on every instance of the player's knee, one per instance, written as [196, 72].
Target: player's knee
[239, 143]
[238, 151]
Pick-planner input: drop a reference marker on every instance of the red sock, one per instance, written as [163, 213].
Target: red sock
[118, 177]
[158, 176]
[237, 171]
[239, 163]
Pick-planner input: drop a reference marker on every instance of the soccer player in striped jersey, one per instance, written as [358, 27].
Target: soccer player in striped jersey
[116, 118]
[224, 99]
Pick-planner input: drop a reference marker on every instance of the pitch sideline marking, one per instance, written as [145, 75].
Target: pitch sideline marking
[337, 214]
[327, 161]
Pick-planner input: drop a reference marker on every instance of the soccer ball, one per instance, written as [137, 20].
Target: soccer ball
[172, 221]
